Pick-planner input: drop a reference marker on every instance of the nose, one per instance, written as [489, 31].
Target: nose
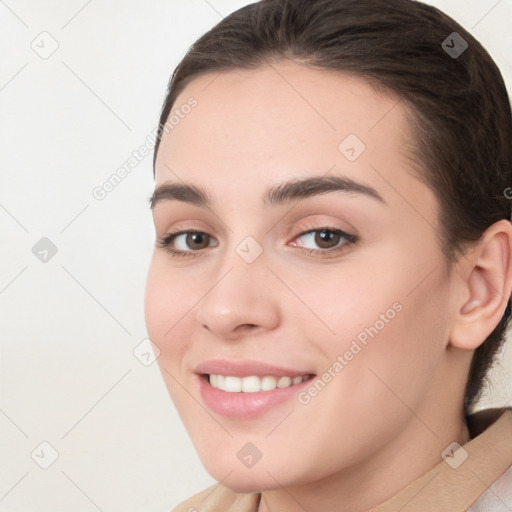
[240, 299]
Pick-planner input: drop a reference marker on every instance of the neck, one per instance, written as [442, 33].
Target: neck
[365, 485]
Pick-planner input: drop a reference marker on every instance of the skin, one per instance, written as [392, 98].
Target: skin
[385, 419]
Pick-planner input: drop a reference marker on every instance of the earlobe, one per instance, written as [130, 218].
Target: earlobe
[486, 287]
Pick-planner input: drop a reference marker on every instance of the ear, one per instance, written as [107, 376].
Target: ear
[486, 287]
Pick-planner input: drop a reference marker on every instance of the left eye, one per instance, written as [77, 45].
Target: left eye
[326, 238]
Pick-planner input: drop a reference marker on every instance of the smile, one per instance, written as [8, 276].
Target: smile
[248, 397]
[253, 383]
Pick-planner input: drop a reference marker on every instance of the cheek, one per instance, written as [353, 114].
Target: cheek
[340, 302]
[377, 369]
[383, 326]
[166, 300]
[167, 304]
[391, 352]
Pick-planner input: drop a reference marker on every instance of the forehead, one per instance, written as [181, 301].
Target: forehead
[268, 124]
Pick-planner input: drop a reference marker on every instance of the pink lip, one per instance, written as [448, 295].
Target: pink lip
[245, 406]
[246, 369]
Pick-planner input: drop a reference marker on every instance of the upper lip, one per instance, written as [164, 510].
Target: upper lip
[245, 368]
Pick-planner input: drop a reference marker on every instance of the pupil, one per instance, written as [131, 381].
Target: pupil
[323, 238]
[195, 238]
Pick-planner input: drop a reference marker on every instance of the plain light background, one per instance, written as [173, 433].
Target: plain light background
[69, 326]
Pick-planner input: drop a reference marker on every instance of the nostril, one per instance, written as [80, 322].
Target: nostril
[246, 327]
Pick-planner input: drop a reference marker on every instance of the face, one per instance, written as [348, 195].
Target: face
[333, 283]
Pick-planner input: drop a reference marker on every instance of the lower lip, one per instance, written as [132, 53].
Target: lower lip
[245, 406]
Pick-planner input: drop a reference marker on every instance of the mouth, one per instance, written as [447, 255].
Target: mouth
[245, 389]
[253, 383]
[251, 396]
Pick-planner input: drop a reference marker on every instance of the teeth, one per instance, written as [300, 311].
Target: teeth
[253, 384]
[250, 384]
[284, 382]
[232, 384]
[268, 383]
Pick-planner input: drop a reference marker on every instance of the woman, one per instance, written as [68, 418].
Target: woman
[333, 261]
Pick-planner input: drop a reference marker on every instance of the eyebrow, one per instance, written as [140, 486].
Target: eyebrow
[276, 195]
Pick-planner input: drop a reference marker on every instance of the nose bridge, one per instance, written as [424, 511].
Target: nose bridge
[240, 293]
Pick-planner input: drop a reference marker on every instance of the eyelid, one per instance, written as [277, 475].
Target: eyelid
[324, 222]
[308, 226]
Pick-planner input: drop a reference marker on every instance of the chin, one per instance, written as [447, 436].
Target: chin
[246, 483]
[262, 477]
[240, 479]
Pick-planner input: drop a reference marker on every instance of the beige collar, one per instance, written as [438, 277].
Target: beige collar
[446, 488]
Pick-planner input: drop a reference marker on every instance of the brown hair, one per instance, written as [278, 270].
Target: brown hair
[462, 120]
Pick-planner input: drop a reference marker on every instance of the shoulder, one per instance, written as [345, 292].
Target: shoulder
[219, 498]
[496, 497]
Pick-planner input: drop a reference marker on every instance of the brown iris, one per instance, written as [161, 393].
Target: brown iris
[325, 237]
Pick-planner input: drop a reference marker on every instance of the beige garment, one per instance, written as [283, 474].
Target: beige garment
[481, 483]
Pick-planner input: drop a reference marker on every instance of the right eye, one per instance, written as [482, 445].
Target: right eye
[178, 242]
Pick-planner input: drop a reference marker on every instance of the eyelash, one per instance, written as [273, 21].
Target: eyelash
[165, 242]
